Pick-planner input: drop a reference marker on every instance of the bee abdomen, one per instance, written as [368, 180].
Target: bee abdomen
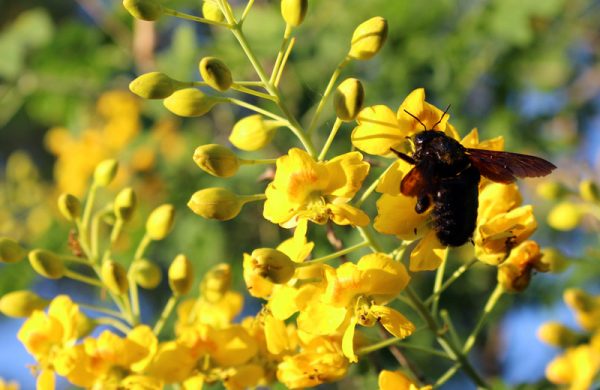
[454, 211]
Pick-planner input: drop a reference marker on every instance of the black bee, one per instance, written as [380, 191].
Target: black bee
[446, 175]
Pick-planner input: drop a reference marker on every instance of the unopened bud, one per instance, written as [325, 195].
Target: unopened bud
[160, 222]
[69, 206]
[154, 85]
[589, 191]
[348, 99]
[293, 11]
[273, 265]
[114, 277]
[368, 38]
[556, 260]
[211, 11]
[216, 282]
[217, 160]
[146, 273]
[85, 325]
[46, 263]
[20, 304]
[514, 274]
[215, 73]
[551, 190]
[124, 204]
[565, 216]
[143, 9]
[10, 250]
[556, 334]
[216, 203]
[190, 102]
[105, 172]
[252, 133]
[578, 300]
[181, 275]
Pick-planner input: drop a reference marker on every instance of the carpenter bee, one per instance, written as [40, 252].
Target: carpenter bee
[446, 177]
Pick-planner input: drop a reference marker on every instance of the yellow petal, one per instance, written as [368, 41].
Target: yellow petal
[397, 215]
[392, 178]
[276, 335]
[394, 380]
[346, 175]
[497, 198]
[378, 131]
[282, 302]
[393, 321]
[428, 114]
[428, 253]
[320, 318]
[46, 380]
[278, 209]
[344, 214]
[382, 277]
[348, 341]
[234, 346]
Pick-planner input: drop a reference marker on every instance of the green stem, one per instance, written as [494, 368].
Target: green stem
[252, 92]
[439, 277]
[254, 108]
[371, 188]
[87, 211]
[447, 375]
[366, 234]
[328, 89]
[142, 246]
[334, 255]
[177, 14]
[251, 198]
[396, 341]
[445, 316]
[165, 315]
[487, 309]
[114, 323]
[116, 232]
[455, 275]
[101, 310]
[258, 161]
[75, 259]
[284, 62]
[286, 38]
[246, 11]
[82, 278]
[336, 126]
[116, 299]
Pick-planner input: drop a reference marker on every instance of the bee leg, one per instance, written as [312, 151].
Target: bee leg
[423, 203]
[403, 156]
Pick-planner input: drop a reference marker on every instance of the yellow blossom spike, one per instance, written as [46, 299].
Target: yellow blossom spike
[124, 204]
[348, 99]
[253, 132]
[144, 9]
[368, 38]
[190, 102]
[181, 275]
[272, 265]
[160, 222]
[216, 160]
[155, 85]
[21, 304]
[216, 203]
[565, 216]
[216, 282]
[47, 264]
[589, 191]
[69, 206]
[294, 11]
[211, 11]
[216, 74]
[146, 273]
[556, 334]
[105, 172]
[10, 251]
[114, 277]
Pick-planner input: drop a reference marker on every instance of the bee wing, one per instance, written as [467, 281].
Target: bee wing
[414, 183]
[506, 167]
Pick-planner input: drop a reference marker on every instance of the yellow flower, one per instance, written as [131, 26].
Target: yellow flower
[577, 367]
[218, 314]
[12, 385]
[586, 308]
[356, 294]
[514, 274]
[317, 191]
[396, 380]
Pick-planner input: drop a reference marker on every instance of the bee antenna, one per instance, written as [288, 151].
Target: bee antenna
[418, 120]
[441, 117]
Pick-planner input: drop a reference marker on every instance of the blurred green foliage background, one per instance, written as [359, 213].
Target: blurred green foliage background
[524, 69]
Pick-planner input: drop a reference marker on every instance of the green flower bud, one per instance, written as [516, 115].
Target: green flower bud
[368, 38]
[21, 304]
[589, 191]
[211, 11]
[217, 160]
[216, 282]
[273, 265]
[155, 85]
[216, 74]
[181, 275]
[565, 216]
[294, 11]
[105, 172]
[69, 206]
[348, 99]
[216, 203]
[160, 222]
[146, 273]
[190, 102]
[114, 277]
[252, 133]
[551, 190]
[557, 335]
[143, 9]
[124, 204]
[10, 251]
[47, 264]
